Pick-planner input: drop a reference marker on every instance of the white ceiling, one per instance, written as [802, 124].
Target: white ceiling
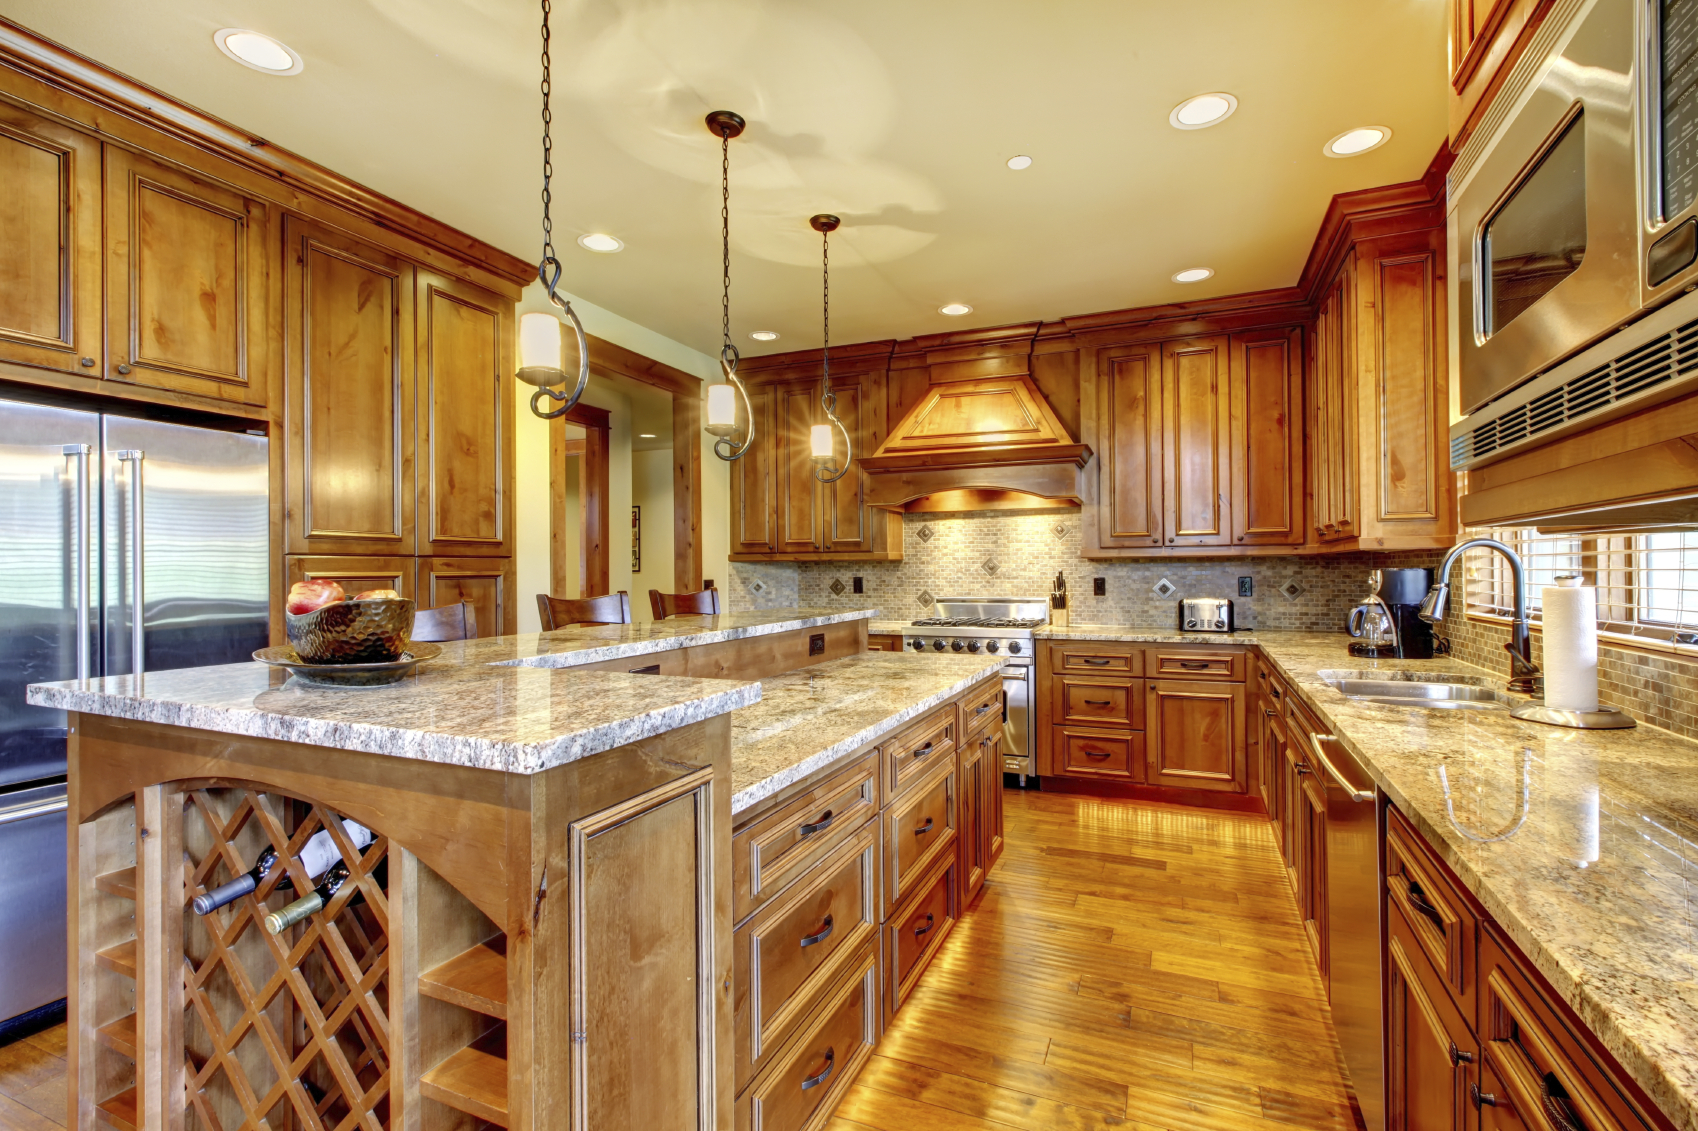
[894, 114]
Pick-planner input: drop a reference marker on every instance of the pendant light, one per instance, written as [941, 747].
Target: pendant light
[722, 398]
[541, 335]
[819, 436]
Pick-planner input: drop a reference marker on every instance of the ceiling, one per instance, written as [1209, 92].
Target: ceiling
[898, 116]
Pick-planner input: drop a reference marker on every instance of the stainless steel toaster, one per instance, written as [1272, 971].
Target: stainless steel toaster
[1205, 614]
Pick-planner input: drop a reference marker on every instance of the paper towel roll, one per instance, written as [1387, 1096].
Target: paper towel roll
[1571, 645]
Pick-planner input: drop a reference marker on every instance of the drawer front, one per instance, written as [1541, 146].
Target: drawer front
[982, 707]
[1197, 663]
[768, 854]
[1099, 702]
[916, 930]
[810, 1074]
[1097, 659]
[916, 750]
[797, 945]
[1440, 916]
[918, 829]
[1100, 754]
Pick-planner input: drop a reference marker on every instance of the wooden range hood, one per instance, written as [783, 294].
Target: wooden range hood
[981, 428]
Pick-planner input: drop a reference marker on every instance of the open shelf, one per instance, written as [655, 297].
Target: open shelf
[121, 883]
[471, 1081]
[120, 959]
[475, 979]
[119, 1036]
[120, 1111]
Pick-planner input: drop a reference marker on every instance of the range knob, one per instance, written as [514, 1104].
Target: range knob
[956, 646]
[972, 645]
[918, 644]
[1014, 648]
[994, 646]
[1190, 624]
[937, 645]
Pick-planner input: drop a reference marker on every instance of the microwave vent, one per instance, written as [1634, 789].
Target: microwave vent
[1603, 387]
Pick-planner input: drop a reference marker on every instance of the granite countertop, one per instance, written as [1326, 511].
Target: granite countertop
[1163, 635]
[1583, 846]
[809, 718]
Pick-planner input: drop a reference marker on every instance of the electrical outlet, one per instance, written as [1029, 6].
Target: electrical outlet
[855, 585]
[1246, 587]
[1099, 587]
[816, 644]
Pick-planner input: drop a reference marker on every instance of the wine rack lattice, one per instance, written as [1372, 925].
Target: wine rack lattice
[293, 1030]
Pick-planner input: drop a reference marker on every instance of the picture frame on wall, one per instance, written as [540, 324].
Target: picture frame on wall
[636, 539]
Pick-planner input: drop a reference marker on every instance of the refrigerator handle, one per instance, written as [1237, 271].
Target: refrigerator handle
[138, 638]
[81, 552]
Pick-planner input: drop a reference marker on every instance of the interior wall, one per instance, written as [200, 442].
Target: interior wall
[651, 489]
[531, 459]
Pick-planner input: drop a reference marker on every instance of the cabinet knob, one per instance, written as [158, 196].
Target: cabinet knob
[124, 370]
[87, 363]
[1457, 1056]
[1482, 1099]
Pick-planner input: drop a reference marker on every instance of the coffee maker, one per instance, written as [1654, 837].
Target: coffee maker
[1388, 622]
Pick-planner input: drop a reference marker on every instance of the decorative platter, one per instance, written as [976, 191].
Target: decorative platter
[348, 675]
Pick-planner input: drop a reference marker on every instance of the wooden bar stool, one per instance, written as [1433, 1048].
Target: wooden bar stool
[446, 622]
[559, 612]
[665, 605]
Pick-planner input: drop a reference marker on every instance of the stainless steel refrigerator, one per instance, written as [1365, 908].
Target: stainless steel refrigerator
[102, 516]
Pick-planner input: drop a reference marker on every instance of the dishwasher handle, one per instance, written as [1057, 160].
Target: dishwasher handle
[1350, 791]
[30, 812]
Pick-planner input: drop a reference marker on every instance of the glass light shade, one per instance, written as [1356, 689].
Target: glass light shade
[819, 441]
[539, 341]
[721, 409]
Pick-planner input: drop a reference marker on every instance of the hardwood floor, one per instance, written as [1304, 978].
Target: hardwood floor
[1129, 965]
[32, 1082]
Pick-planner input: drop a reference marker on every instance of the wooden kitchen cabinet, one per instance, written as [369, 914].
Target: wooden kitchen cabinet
[486, 582]
[50, 249]
[1130, 509]
[1266, 443]
[754, 505]
[1194, 736]
[191, 267]
[358, 574]
[348, 398]
[1311, 824]
[1197, 440]
[1486, 37]
[1431, 1055]
[970, 845]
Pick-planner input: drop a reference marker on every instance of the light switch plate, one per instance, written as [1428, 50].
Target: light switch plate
[1246, 586]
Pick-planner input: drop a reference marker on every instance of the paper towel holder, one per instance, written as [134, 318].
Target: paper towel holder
[1604, 718]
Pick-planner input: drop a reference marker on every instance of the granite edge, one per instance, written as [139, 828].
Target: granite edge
[602, 652]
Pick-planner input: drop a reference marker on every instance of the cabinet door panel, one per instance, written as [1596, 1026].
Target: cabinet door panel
[990, 807]
[355, 575]
[1408, 387]
[970, 844]
[486, 582]
[49, 245]
[754, 509]
[189, 272]
[799, 493]
[465, 418]
[1267, 444]
[1130, 511]
[843, 504]
[1332, 436]
[1427, 1085]
[349, 395]
[1195, 736]
[1198, 464]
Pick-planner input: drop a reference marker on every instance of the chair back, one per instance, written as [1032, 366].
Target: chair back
[559, 612]
[458, 621]
[705, 601]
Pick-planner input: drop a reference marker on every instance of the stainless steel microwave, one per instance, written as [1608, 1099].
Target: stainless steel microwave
[1574, 209]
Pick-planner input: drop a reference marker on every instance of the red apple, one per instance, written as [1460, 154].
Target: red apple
[378, 595]
[305, 596]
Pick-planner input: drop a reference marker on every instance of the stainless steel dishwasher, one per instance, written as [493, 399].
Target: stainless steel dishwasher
[1355, 825]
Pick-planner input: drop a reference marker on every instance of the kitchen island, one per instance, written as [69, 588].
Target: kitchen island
[539, 933]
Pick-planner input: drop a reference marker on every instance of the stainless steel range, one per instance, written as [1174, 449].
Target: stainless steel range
[992, 626]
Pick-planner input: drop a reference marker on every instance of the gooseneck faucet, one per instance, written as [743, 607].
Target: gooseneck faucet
[1524, 674]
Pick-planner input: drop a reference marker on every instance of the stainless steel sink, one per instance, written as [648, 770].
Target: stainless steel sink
[1448, 691]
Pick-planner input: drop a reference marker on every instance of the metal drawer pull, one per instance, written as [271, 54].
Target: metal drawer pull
[820, 1077]
[1418, 900]
[818, 936]
[1300, 767]
[1095, 663]
[1350, 791]
[918, 931]
[1099, 702]
[981, 710]
[1482, 1099]
[1457, 1056]
[922, 751]
[1096, 753]
[1270, 712]
[925, 828]
[1553, 1098]
[818, 826]
[1196, 665]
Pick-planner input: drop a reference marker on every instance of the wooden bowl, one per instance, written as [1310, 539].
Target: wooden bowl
[352, 632]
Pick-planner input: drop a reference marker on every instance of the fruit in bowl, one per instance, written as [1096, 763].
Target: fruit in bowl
[327, 628]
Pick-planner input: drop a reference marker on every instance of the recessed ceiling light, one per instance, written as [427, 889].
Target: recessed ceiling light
[1193, 275]
[600, 241]
[1352, 143]
[1020, 162]
[1203, 111]
[261, 52]
[764, 335]
[645, 435]
[955, 309]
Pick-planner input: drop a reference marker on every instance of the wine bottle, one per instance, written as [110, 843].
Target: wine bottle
[317, 854]
[314, 900]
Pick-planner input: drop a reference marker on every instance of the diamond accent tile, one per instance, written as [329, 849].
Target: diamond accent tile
[837, 587]
[925, 599]
[1060, 531]
[1292, 590]
[990, 566]
[757, 587]
[1164, 589]
[924, 534]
